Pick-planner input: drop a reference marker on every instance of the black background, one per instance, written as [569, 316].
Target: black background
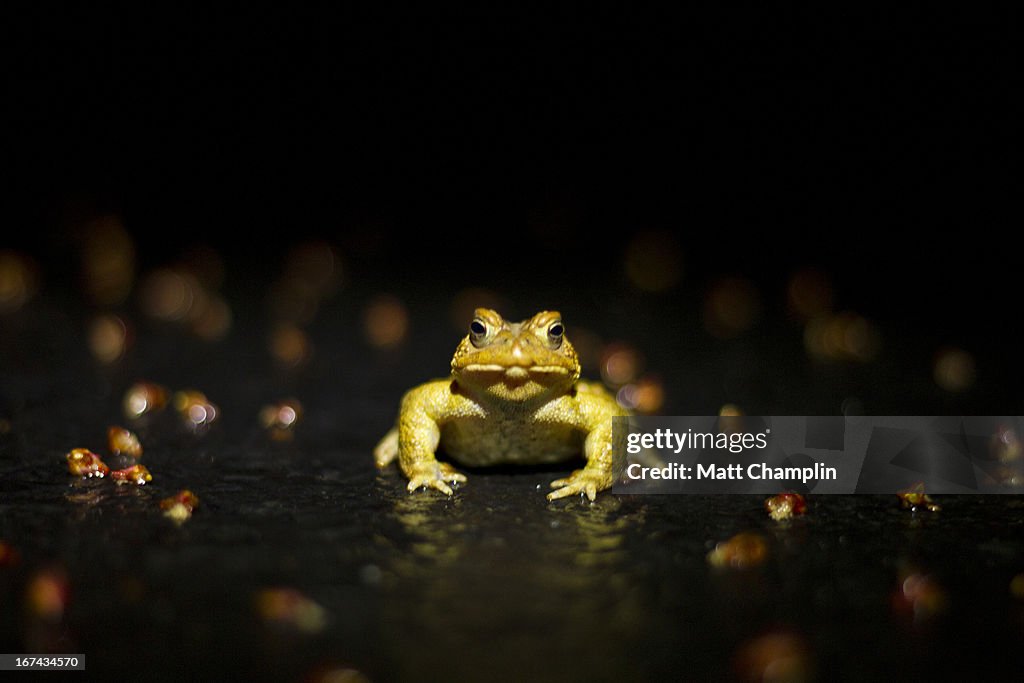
[865, 140]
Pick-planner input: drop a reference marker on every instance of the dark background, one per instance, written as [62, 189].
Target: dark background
[870, 141]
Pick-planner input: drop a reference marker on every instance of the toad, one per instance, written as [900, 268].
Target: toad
[514, 397]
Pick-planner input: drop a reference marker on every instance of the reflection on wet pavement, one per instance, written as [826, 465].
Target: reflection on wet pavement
[488, 584]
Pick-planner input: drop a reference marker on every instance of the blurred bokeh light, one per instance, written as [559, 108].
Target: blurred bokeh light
[108, 338]
[9, 555]
[47, 594]
[143, 398]
[731, 419]
[744, 550]
[645, 396]
[315, 267]
[922, 596]
[1017, 586]
[18, 280]
[1006, 445]
[620, 364]
[169, 295]
[842, 336]
[185, 294]
[279, 419]
[954, 369]
[179, 507]
[779, 657]
[214, 320]
[291, 608]
[122, 441]
[809, 294]
[290, 346]
[731, 307]
[312, 272]
[108, 261]
[654, 261]
[194, 408]
[386, 321]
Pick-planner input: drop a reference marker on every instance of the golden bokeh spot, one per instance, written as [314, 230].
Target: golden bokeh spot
[290, 346]
[620, 364]
[214, 320]
[731, 419]
[289, 607]
[108, 338]
[778, 656]
[313, 266]
[1017, 586]
[954, 369]
[169, 295]
[1005, 445]
[123, 442]
[18, 280]
[923, 595]
[386, 321]
[279, 419]
[731, 307]
[654, 262]
[645, 396]
[143, 398]
[194, 408]
[108, 261]
[842, 336]
[809, 294]
[46, 595]
[744, 550]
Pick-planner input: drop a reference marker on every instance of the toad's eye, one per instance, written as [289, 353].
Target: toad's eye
[555, 333]
[477, 331]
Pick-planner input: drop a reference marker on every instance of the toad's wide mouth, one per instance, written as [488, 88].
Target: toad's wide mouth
[516, 370]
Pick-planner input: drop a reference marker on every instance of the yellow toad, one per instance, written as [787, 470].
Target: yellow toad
[514, 397]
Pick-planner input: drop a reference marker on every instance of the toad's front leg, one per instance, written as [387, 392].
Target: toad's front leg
[422, 411]
[595, 416]
[598, 474]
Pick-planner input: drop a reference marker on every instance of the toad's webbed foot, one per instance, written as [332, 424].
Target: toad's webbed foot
[588, 481]
[434, 475]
